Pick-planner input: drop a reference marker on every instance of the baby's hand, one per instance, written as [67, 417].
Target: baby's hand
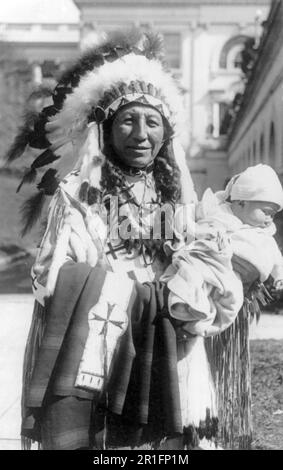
[278, 285]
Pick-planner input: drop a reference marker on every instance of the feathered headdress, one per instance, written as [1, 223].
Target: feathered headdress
[124, 68]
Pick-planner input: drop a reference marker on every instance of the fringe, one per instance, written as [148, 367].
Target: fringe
[192, 435]
[25, 443]
[105, 371]
[33, 343]
[230, 353]
[230, 356]
[207, 429]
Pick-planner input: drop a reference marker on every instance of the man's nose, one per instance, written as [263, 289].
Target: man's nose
[139, 130]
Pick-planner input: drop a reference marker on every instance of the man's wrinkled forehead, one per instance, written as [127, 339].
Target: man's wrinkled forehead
[132, 108]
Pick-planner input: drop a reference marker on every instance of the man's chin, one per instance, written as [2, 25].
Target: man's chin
[138, 161]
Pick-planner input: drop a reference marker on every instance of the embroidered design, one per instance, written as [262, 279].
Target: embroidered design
[108, 320]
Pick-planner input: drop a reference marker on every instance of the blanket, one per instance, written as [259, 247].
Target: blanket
[143, 388]
[201, 276]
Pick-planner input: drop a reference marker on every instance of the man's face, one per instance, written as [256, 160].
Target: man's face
[137, 134]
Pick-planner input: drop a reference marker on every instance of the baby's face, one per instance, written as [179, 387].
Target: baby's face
[255, 213]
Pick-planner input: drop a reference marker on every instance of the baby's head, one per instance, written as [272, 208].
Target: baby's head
[256, 195]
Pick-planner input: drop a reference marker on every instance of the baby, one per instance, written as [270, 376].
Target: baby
[205, 292]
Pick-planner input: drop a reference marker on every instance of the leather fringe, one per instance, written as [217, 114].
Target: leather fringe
[231, 370]
[207, 429]
[230, 356]
[33, 343]
[26, 443]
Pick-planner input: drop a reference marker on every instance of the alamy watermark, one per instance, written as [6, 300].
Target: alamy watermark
[149, 221]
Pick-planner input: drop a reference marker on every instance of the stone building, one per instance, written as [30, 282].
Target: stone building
[44, 33]
[256, 135]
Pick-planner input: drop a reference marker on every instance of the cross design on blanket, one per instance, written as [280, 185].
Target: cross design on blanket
[107, 320]
[112, 251]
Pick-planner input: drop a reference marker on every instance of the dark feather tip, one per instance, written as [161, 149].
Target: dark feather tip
[28, 177]
[49, 182]
[44, 159]
[31, 211]
[18, 146]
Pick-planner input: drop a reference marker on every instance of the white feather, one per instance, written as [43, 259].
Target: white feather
[78, 105]
[91, 158]
[187, 186]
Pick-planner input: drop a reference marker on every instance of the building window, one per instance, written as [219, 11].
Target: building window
[37, 74]
[237, 60]
[49, 69]
[50, 27]
[246, 160]
[224, 118]
[254, 153]
[73, 27]
[145, 26]
[272, 145]
[249, 157]
[18, 26]
[262, 148]
[231, 54]
[172, 46]
[216, 120]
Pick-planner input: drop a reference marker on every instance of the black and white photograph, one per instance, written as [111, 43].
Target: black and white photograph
[141, 227]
